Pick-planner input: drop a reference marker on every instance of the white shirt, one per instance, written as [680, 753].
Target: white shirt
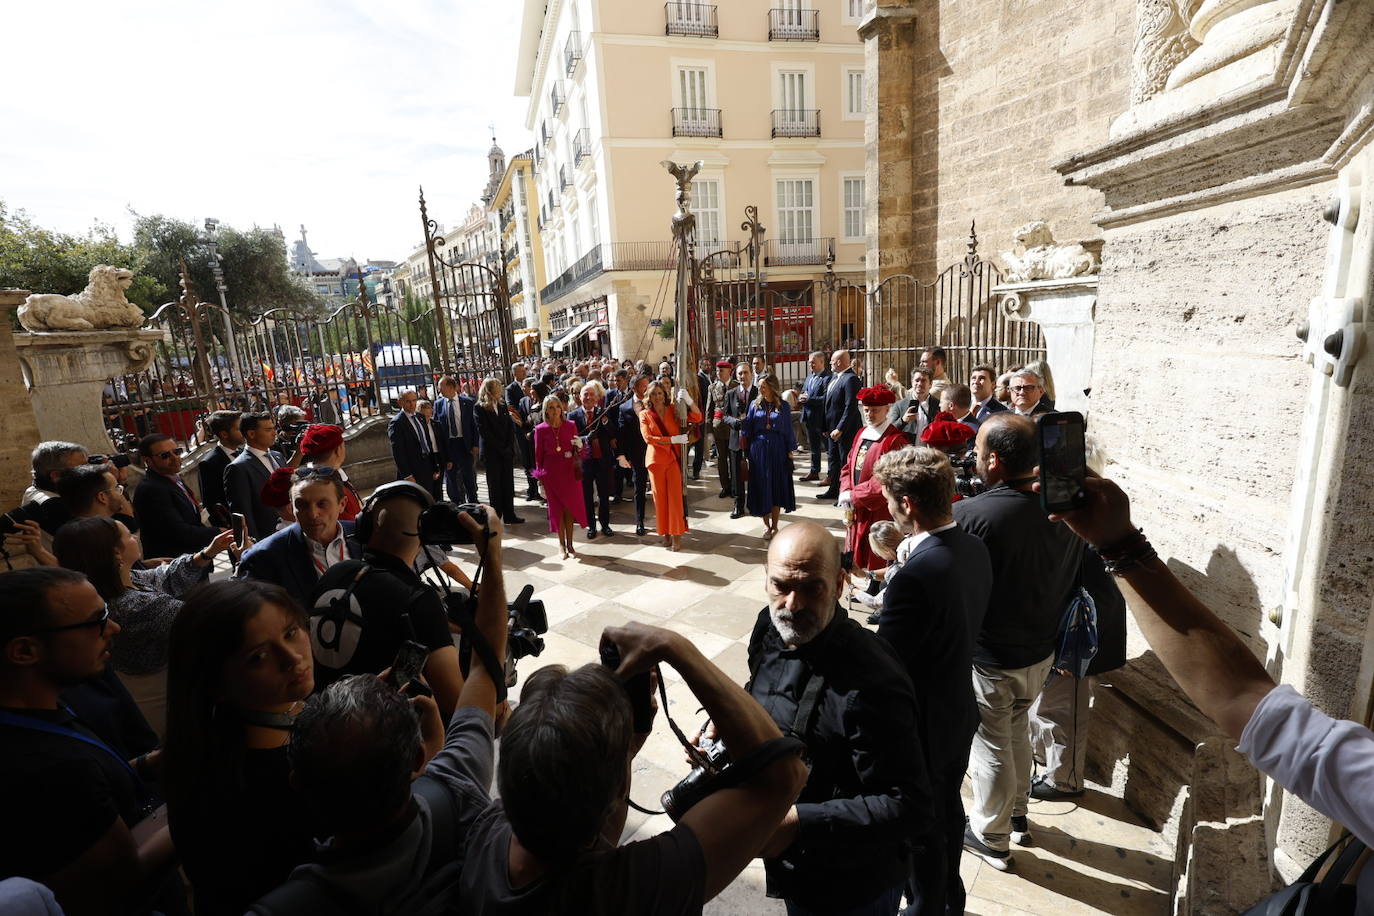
[228, 452]
[913, 541]
[1326, 762]
[326, 555]
[262, 456]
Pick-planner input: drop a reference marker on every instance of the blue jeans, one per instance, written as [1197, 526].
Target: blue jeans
[885, 904]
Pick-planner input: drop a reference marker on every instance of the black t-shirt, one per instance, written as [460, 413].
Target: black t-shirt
[366, 639]
[664, 875]
[59, 793]
[242, 841]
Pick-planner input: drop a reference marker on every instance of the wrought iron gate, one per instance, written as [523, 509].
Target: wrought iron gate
[751, 313]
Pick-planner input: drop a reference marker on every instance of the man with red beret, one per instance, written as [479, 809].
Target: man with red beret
[948, 434]
[322, 445]
[860, 491]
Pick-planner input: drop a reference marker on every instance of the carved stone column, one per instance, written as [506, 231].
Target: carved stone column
[1161, 42]
[1064, 311]
[1227, 31]
[66, 370]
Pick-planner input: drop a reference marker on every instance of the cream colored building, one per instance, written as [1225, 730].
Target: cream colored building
[768, 94]
[514, 207]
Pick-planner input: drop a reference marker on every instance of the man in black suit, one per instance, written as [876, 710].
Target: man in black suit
[630, 443]
[169, 515]
[457, 440]
[1028, 393]
[296, 556]
[224, 426]
[515, 394]
[245, 475]
[933, 607]
[842, 420]
[704, 379]
[737, 401]
[415, 446]
[813, 411]
[982, 381]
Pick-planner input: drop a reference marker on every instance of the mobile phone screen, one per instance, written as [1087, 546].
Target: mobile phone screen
[409, 662]
[240, 528]
[1063, 462]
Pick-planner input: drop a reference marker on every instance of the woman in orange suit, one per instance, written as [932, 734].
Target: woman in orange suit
[658, 423]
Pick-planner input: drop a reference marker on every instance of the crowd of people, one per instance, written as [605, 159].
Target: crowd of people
[259, 692]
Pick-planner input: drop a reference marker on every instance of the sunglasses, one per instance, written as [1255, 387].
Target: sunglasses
[163, 456]
[321, 471]
[93, 622]
[1024, 387]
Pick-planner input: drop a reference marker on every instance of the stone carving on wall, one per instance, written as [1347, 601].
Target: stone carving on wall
[101, 305]
[1162, 41]
[1037, 256]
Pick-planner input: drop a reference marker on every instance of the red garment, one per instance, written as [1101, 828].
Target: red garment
[866, 493]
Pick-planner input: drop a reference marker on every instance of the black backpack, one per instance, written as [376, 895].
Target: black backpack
[307, 895]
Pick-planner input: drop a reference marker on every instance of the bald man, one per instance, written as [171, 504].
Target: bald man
[846, 844]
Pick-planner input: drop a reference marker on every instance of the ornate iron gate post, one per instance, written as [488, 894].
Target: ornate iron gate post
[432, 242]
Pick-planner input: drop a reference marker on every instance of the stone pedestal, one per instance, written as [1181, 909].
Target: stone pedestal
[1064, 311]
[66, 370]
[18, 428]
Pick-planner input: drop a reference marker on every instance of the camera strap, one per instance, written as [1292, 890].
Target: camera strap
[806, 708]
[461, 614]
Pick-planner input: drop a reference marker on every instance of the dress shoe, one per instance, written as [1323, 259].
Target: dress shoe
[640, 530]
[873, 618]
[1044, 790]
[696, 475]
[828, 496]
[616, 500]
[591, 533]
[737, 514]
[810, 477]
[514, 520]
[726, 494]
[606, 531]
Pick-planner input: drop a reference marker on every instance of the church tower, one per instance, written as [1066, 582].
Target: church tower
[496, 162]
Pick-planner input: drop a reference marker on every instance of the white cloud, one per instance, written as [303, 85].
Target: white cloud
[294, 111]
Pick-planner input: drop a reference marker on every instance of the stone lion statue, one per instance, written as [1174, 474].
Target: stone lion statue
[99, 306]
[1038, 256]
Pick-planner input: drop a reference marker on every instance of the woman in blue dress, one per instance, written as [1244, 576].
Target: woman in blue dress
[768, 429]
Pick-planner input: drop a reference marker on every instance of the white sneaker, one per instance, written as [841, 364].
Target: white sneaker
[1020, 832]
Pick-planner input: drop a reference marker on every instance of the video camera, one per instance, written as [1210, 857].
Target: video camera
[527, 621]
[117, 459]
[967, 483]
[289, 436]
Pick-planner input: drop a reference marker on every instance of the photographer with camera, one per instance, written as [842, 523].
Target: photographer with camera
[845, 846]
[396, 793]
[291, 425]
[170, 516]
[549, 844]
[363, 610]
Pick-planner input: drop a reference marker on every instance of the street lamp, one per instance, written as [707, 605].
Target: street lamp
[211, 227]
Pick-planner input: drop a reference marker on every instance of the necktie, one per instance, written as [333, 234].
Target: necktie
[420, 433]
[454, 429]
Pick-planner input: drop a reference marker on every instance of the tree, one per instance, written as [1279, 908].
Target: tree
[44, 261]
[667, 329]
[254, 263]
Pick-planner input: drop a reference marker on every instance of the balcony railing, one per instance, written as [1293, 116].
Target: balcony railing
[640, 255]
[780, 253]
[546, 130]
[794, 25]
[582, 145]
[516, 289]
[564, 182]
[796, 122]
[572, 51]
[556, 98]
[696, 122]
[694, 19]
[588, 266]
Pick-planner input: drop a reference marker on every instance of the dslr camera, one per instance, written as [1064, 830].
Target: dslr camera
[289, 436]
[698, 784]
[967, 483]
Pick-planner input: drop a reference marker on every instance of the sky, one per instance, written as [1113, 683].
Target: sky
[330, 114]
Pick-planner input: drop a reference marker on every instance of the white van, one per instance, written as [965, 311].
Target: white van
[401, 368]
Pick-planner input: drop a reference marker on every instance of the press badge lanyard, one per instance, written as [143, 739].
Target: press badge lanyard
[52, 728]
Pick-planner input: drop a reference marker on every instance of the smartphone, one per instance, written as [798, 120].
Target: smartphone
[1063, 462]
[410, 661]
[240, 529]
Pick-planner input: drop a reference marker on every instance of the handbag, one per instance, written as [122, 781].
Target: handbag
[1307, 896]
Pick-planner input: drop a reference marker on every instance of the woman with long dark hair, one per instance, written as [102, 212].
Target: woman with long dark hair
[144, 602]
[500, 449]
[240, 670]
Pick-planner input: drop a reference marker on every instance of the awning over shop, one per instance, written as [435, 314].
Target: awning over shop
[562, 343]
[525, 332]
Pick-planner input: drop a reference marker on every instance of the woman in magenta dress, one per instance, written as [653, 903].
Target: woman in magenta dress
[558, 465]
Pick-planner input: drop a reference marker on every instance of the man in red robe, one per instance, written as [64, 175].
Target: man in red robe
[860, 492]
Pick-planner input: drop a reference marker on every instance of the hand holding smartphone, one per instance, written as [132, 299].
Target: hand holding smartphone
[1063, 461]
[240, 525]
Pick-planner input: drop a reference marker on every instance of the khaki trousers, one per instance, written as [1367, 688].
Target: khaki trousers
[1059, 729]
[1000, 759]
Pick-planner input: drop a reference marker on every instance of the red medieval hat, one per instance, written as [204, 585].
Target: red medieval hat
[321, 439]
[277, 491]
[945, 432]
[877, 396]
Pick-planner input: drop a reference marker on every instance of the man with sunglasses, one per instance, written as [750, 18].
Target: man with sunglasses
[1028, 393]
[73, 799]
[171, 520]
[296, 556]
